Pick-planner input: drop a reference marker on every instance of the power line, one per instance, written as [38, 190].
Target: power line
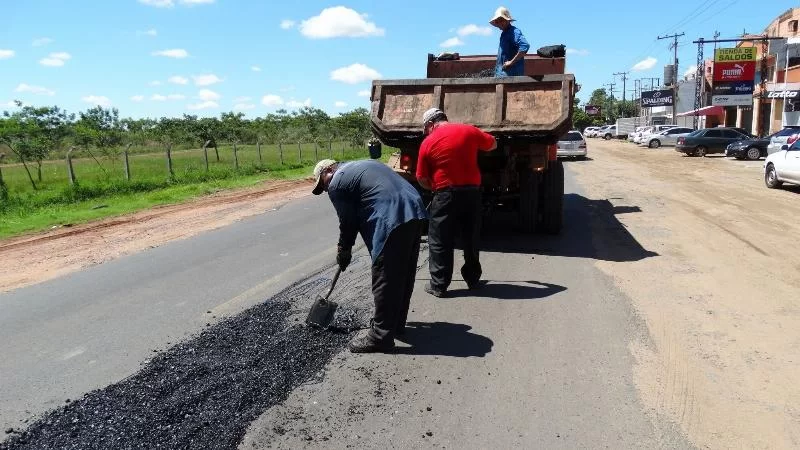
[674, 47]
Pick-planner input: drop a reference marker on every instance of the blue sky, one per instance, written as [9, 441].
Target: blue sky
[170, 57]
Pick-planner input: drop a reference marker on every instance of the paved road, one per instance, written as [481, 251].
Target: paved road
[539, 358]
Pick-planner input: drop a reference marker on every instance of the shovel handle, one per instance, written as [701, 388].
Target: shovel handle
[333, 283]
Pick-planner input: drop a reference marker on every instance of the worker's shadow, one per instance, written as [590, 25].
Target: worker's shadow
[518, 290]
[443, 339]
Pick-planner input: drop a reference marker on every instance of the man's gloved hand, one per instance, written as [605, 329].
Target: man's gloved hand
[343, 257]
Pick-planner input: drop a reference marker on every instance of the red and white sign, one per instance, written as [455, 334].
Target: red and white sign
[735, 71]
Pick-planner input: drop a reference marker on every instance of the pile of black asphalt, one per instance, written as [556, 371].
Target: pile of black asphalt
[204, 392]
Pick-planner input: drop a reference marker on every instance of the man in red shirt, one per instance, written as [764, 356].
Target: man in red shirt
[448, 166]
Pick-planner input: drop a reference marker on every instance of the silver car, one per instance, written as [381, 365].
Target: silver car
[781, 138]
[572, 144]
[667, 137]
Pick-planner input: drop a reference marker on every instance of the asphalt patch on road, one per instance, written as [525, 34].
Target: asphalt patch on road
[203, 393]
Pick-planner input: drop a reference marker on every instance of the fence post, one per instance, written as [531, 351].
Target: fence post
[316, 150]
[235, 157]
[216, 150]
[127, 163]
[330, 148]
[205, 153]
[3, 189]
[258, 147]
[70, 171]
[280, 149]
[300, 150]
[169, 162]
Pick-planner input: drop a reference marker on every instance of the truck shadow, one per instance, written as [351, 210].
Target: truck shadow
[443, 339]
[510, 290]
[591, 230]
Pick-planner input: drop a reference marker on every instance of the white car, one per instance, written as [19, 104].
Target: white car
[572, 144]
[786, 136]
[637, 135]
[655, 129]
[608, 132]
[589, 130]
[667, 137]
[783, 166]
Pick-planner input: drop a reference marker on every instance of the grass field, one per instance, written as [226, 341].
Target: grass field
[102, 191]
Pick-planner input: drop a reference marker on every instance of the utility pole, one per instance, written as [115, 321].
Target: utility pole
[674, 46]
[611, 98]
[624, 80]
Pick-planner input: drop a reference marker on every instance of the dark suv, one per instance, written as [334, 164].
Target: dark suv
[708, 140]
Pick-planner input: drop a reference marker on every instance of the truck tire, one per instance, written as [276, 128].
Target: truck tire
[552, 199]
[528, 200]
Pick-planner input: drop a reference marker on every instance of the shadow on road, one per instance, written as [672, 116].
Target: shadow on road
[516, 290]
[443, 339]
[591, 230]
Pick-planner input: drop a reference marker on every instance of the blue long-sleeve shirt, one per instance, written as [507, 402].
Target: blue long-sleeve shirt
[370, 198]
[512, 41]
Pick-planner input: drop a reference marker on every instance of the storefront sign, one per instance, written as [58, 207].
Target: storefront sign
[783, 94]
[592, 110]
[735, 54]
[653, 99]
[733, 88]
[734, 71]
[732, 100]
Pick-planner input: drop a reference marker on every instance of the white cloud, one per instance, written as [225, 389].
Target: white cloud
[339, 21]
[208, 95]
[41, 41]
[57, 59]
[645, 64]
[472, 29]
[243, 106]
[6, 54]
[196, 2]
[297, 104]
[177, 79]
[97, 100]
[287, 89]
[38, 90]
[9, 104]
[242, 99]
[206, 79]
[158, 3]
[690, 71]
[287, 24]
[178, 53]
[272, 100]
[208, 104]
[354, 74]
[152, 32]
[158, 98]
[578, 52]
[340, 104]
[137, 98]
[452, 42]
[364, 93]
[155, 83]
[255, 69]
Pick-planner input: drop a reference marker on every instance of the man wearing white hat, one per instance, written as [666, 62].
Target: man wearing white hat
[371, 199]
[513, 45]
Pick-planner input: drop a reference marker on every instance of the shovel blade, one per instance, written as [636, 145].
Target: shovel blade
[321, 314]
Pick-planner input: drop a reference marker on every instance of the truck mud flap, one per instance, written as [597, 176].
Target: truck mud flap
[552, 199]
[528, 200]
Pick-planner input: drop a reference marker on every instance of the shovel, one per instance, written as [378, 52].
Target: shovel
[321, 314]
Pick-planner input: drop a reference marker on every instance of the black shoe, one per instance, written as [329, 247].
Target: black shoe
[434, 291]
[472, 285]
[366, 345]
[401, 331]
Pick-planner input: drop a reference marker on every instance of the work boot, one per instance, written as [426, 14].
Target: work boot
[367, 345]
[436, 292]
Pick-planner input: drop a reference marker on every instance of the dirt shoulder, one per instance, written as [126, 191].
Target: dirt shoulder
[720, 299]
[44, 256]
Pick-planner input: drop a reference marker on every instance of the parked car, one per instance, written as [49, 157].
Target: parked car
[655, 129]
[598, 132]
[637, 132]
[587, 132]
[572, 144]
[751, 149]
[783, 166]
[668, 137]
[707, 141]
[609, 132]
[781, 138]
[637, 137]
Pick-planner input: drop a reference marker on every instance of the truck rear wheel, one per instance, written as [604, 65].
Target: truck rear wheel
[552, 199]
[528, 200]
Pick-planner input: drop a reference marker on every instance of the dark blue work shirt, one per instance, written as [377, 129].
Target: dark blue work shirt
[372, 199]
[512, 41]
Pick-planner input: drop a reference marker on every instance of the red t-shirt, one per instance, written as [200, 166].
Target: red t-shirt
[449, 155]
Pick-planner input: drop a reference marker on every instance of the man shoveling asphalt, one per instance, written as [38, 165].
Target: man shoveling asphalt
[388, 212]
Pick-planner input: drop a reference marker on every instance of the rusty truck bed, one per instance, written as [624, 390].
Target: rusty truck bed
[533, 107]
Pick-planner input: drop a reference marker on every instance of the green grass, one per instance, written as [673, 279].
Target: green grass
[102, 191]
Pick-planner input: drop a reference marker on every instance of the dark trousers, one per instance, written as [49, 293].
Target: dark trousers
[454, 211]
[393, 275]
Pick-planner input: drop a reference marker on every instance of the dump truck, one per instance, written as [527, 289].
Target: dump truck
[526, 114]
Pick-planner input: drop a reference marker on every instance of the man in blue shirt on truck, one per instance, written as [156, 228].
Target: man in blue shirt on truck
[513, 45]
[371, 199]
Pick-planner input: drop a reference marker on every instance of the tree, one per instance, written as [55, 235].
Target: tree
[16, 135]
